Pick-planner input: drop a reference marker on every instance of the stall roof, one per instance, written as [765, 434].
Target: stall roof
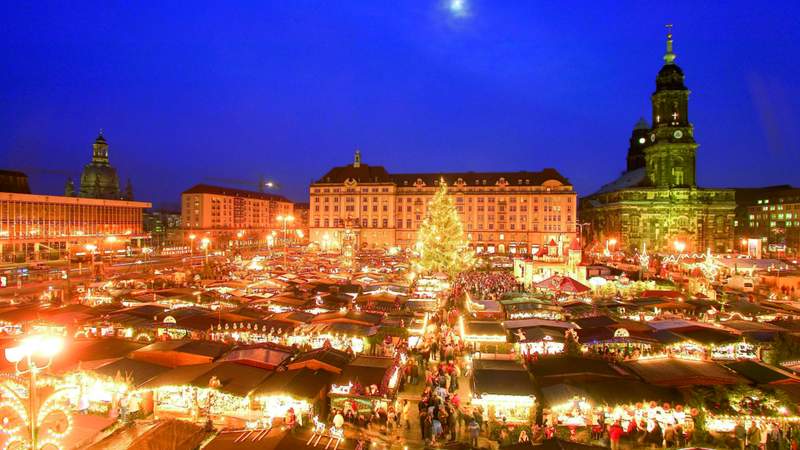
[551, 370]
[707, 336]
[365, 318]
[179, 376]
[594, 322]
[268, 356]
[500, 377]
[366, 370]
[293, 316]
[82, 351]
[527, 323]
[138, 371]
[302, 383]
[761, 373]
[680, 373]
[609, 392]
[237, 379]
[211, 349]
[484, 328]
[335, 359]
[536, 334]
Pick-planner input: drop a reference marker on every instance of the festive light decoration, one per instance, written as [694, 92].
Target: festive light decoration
[442, 245]
[644, 258]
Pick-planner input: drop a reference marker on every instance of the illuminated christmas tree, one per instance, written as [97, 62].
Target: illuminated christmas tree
[441, 244]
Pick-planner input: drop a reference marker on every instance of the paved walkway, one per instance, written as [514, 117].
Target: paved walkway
[411, 438]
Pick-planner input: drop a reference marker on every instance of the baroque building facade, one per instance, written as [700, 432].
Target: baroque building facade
[656, 201]
[502, 212]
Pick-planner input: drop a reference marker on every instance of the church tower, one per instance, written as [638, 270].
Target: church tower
[670, 155]
[637, 143]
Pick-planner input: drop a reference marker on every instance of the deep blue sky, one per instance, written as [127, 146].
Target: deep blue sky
[290, 88]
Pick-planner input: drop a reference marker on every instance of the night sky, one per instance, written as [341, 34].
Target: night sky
[289, 89]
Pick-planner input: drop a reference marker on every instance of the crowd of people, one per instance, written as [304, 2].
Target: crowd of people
[755, 435]
[484, 285]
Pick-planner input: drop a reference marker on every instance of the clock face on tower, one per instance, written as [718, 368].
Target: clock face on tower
[678, 134]
[653, 137]
[642, 140]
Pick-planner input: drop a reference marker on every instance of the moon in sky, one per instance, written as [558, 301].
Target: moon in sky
[458, 8]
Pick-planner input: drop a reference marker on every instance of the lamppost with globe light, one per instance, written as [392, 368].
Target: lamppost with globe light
[33, 355]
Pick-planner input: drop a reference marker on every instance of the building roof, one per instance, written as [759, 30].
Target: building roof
[209, 349]
[500, 377]
[570, 367]
[366, 370]
[365, 173]
[521, 178]
[609, 392]
[302, 384]
[328, 356]
[679, 373]
[629, 179]
[268, 356]
[139, 372]
[233, 192]
[760, 373]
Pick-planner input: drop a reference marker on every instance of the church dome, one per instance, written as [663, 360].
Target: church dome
[99, 182]
[99, 178]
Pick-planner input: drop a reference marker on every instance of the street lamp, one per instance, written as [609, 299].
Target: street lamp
[110, 240]
[744, 245]
[192, 237]
[90, 248]
[680, 246]
[610, 243]
[33, 355]
[204, 243]
[285, 220]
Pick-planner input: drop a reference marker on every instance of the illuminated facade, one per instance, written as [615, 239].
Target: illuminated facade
[233, 216]
[505, 212]
[770, 215]
[656, 201]
[39, 226]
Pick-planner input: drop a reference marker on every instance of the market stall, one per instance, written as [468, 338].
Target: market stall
[368, 383]
[504, 390]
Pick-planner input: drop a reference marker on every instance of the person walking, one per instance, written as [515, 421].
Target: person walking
[474, 432]
[740, 432]
[615, 434]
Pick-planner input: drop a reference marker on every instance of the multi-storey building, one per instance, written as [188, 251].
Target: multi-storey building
[164, 228]
[502, 212]
[771, 216]
[657, 202]
[233, 217]
[50, 226]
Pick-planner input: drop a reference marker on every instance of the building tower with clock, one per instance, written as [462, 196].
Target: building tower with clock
[656, 201]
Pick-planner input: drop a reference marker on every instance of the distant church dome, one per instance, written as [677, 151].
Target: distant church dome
[99, 179]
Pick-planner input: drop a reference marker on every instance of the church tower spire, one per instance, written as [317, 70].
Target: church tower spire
[357, 159]
[670, 153]
[669, 56]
